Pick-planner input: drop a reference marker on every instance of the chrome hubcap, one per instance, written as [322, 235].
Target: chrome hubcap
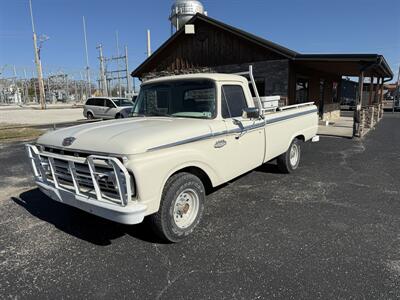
[186, 208]
[294, 155]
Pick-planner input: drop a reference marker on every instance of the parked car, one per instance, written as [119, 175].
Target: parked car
[347, 104]
[107, 108]
[190, 133]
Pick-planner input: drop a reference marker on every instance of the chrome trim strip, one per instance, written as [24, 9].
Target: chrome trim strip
[186, 141]
[236, 130]
[207, 136]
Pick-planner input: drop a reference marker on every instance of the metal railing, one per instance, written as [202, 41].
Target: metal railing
[253, 83]
[295, 106]
[257, 97]
[98, 177]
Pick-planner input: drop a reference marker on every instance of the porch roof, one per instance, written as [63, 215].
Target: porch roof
[346, 64]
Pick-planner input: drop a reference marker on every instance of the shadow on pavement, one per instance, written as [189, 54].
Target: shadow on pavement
[78, 223]
[269, 167]
[91, 228]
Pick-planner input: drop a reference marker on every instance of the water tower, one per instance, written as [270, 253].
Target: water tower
[183, 10]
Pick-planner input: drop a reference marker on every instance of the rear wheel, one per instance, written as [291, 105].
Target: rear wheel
[89, 115]
[181, 207]
[289, 161]
[119, 116]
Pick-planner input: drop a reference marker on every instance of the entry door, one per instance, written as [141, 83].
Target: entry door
[244, 149]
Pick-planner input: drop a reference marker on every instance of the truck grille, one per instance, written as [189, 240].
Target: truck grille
[83, 178]
[99, 177]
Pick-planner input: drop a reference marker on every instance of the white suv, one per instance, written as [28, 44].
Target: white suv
[107, 108]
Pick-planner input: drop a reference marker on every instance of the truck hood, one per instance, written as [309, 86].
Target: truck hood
[127, 136]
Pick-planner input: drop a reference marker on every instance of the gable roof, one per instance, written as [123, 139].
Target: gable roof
[360, 61]
[266, 44]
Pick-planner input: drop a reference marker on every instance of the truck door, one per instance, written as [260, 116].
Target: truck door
[245, 139]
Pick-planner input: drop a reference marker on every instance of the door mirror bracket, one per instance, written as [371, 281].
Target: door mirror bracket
[251, 113]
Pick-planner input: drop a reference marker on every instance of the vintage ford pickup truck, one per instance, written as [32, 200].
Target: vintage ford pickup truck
[187, 135]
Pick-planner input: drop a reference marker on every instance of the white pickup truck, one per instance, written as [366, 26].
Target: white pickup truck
[187, 135]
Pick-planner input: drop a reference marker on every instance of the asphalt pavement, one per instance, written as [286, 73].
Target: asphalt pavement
[329, 230]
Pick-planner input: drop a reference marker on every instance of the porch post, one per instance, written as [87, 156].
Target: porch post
[377, 90]
[371, 90]
[357, 111]
[380, 100]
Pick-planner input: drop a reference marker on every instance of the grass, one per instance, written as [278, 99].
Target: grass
[19, 133]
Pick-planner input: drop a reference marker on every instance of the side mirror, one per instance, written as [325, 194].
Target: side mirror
[251, 113]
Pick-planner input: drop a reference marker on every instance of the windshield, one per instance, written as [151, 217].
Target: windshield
[178, 98]
[123, 102]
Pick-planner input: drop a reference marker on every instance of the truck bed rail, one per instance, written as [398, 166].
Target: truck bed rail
[295, 106]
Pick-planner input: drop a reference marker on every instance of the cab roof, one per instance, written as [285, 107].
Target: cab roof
[210, 76]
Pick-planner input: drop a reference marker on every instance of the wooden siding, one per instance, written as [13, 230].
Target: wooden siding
[210, 46]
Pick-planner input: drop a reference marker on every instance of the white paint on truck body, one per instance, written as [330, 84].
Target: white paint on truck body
[154, 148]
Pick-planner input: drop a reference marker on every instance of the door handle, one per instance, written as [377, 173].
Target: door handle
[219, 144]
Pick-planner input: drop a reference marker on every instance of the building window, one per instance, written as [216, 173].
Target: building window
[302, 85]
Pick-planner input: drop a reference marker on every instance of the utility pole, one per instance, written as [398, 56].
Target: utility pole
[37, 62]
[119, 78]
[16, 93]
[34, 85]
[89, 88]
[102, 72]
[128, 82]
[49, 93]
[80, 87]
[75, 89]
[26, 97]
[148, 43]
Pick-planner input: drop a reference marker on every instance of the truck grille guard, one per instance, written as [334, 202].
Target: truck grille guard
[97, 177]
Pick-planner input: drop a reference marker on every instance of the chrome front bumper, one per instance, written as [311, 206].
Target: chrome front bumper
[60, 177]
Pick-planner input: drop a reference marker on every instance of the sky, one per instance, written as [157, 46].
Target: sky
[306, 26]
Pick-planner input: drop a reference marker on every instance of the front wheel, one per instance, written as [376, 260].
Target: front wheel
[289, 161]
[181, 207]
[90, 116]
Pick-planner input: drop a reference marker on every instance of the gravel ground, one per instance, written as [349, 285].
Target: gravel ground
[40, 117]
[330, 230]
